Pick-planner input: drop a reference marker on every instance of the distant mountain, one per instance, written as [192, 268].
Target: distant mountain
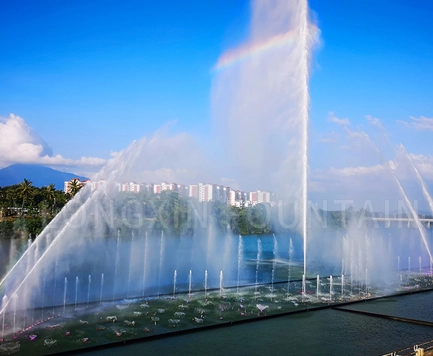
[40, 176]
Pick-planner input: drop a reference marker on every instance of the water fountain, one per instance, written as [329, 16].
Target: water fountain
[342, 285]
[173, 305]
[137, 280]
[291, 251]
[258, 258]
[205, 284]
[174, 283]
[221, 282]
[239, 259]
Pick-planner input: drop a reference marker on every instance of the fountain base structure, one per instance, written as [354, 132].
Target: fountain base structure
[62, 329]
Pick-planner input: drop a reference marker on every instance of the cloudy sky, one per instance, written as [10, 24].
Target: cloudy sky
[80, 80]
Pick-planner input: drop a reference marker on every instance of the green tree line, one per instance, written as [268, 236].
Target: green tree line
[170, 213]
[25, 209]
[175, 215]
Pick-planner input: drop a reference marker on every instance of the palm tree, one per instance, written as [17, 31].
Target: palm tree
[50, 194]
[74, 186]
[10, 200]
[25, 192]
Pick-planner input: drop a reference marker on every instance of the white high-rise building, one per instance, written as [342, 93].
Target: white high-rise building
[130, 187]
[167, 186]
[205, 192]
[263, 197]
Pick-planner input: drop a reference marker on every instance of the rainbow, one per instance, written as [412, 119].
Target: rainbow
[241, 53]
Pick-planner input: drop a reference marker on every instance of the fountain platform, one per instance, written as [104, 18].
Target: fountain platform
[60, 330]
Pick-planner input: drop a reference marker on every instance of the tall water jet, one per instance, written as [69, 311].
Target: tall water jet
[174, 283]
[4, 303]
[342, 285]
[131, 252]
[15, 299]
[221, 283]
[205, 283]
[89, 282]
[427, 195]
[272, 279]
[258, 258]
[304, 60]
[76, 291]
[101, 290]
[240, 254]
[55, 284]
[275, 249]
[414, 215]
[392, 169]
[303, 291]
[161, 261]
[274, 261]
[189, 283]
[146, 247]
[65, 289]
[261, 89]
[289, 265]
[44, 287]
[116, 263]
[366, 281]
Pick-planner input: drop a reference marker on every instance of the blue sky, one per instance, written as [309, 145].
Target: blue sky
[375, 60]
[122, 69]
[89, 77]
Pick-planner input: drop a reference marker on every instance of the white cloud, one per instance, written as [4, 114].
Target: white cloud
[374, 121]
[332, 137]
[356, 135]
[336, 120]
[356, 171]
[421, 124]
[19, 143]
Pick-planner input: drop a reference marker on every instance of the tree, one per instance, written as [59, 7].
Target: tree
[50, 195]
[74, 187]
[25, 192]
[259, 220]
